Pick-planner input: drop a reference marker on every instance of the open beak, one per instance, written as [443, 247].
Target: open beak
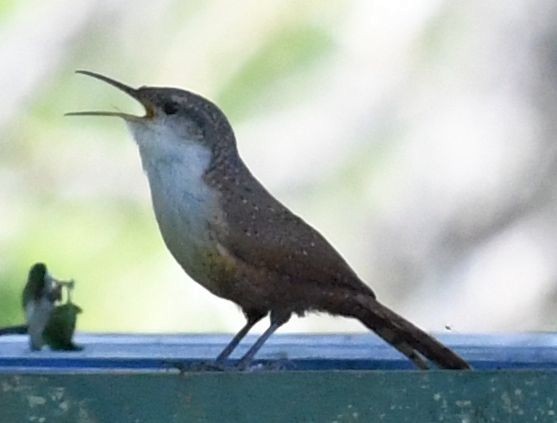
[128, 90]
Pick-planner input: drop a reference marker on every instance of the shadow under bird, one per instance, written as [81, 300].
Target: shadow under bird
[234, 238]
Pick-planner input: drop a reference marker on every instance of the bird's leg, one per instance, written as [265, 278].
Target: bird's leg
[277, 320]
[252, 318]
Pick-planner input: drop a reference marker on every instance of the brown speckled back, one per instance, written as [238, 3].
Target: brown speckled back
[292, 257]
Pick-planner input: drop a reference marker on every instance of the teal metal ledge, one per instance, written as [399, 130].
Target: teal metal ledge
[302, 378]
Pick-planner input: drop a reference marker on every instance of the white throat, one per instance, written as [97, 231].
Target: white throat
[183, 202]
[159, 143]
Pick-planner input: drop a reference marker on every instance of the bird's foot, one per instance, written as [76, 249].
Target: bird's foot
[210, 366]
[262, 366]
[240, 366]
[201, 366]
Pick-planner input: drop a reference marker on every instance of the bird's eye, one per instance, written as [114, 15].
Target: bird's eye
[170, 108]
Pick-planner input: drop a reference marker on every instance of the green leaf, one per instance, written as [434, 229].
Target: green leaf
[59, 331]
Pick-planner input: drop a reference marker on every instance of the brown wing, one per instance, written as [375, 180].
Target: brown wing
[263, 233]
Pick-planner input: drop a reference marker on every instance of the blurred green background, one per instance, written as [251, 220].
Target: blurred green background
[416, 136]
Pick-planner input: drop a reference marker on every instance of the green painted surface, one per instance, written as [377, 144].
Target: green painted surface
[519, 396]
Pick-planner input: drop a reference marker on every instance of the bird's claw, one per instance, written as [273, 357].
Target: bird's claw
[203, 366]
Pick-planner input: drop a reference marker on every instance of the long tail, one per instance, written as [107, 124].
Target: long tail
[410, 340]
[14, 330]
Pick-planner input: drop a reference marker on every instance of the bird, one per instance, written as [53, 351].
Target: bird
[229, 233]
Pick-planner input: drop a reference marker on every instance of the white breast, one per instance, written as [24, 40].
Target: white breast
[182, 200]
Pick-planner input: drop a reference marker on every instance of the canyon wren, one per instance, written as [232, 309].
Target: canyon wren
[234, 238]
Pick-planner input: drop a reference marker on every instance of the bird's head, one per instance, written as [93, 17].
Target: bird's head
[170, 114]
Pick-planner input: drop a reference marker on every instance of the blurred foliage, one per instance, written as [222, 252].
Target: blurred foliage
[7, 7]
[291, 51]
[60, 329]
